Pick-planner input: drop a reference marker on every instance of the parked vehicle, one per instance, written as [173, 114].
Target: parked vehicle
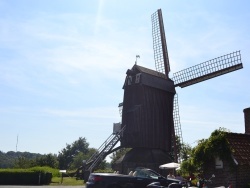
[140, 178]
[157, 185]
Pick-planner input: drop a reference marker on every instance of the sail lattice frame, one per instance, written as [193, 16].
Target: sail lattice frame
[209, 69]
[159, 43]
[177, 127]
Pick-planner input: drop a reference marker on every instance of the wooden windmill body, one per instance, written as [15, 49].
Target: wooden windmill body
[147, 105]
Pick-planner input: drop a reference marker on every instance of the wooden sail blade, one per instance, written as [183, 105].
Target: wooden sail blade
[159, 44]
[207, 70]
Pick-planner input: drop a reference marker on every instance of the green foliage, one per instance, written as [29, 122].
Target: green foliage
[72, 181]
[6, 161]
[67, 155]
[31, 176]
[70, 158]
[188, 166]
[8, 170]
[103, 165]
[216, 145]
[182, 149]
[77, 160]
[206, 150]
[55, 172]
[47, 160]
[107, 170]
[13, 159]
[185, 151]
[41, 160]
[23, 162]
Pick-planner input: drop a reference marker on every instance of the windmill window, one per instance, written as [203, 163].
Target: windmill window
[129, 80]
[218, 163]
[137, 78]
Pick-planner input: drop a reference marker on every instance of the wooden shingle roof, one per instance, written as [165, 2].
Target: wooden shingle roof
[240, 143]
[150, 71]
[151, 78]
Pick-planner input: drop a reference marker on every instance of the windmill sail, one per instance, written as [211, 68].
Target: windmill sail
[209, 69]
[159, 43]
[177, 127]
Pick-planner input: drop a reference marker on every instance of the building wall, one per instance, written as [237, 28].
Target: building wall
[238, 175]
[223, 176]
[243, 175]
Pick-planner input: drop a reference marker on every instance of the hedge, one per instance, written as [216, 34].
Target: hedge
[24, 177]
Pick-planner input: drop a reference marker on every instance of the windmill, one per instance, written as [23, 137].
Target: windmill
[150, 105]
[150, 118]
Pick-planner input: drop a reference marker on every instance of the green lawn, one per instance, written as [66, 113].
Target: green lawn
[66, 181]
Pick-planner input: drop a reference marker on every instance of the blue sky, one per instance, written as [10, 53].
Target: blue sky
[63, 65]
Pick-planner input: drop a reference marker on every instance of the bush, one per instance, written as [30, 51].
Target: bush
[32, 176]
[55, 172]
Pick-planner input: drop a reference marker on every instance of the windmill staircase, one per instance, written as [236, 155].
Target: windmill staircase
[105, 149]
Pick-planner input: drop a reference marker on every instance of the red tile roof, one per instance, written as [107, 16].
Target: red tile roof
[240, 144]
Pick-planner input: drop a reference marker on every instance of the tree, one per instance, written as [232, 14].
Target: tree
[23, 162]
[78, 159]
[185, 151]
[80, 145]
[6, 161]
[182, 149]
[67, 155]
[188, 166]
[47, 160]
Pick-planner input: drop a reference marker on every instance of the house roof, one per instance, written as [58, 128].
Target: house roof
[240, 144]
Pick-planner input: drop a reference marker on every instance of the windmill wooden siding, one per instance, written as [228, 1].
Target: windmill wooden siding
[147, 109]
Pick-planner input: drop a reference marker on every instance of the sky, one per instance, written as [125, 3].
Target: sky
[63, 65]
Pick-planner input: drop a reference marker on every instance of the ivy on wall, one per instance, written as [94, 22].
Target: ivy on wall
[215, 146]
[207, 151]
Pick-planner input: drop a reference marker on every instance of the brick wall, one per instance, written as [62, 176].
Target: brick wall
[223, 176]
[243, 176]
[237, 176]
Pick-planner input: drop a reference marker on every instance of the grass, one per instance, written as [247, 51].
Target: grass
[66, 181]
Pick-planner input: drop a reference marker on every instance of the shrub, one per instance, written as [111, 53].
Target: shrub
[31, 176]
